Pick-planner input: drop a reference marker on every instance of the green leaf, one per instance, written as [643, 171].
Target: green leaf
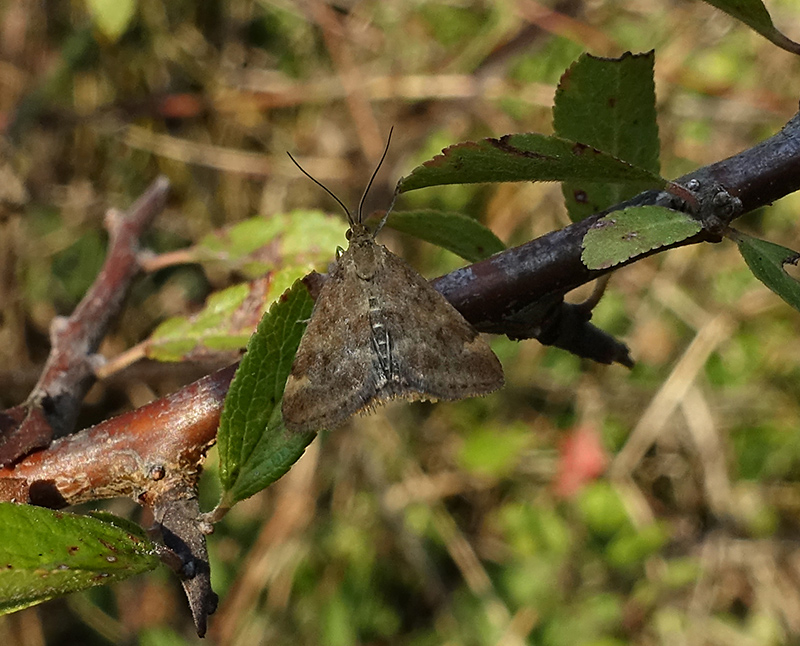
[766, 260]
[254, 447]
[609, 104]
[226, 322]
[112, 17]
[754, 14]
[525, 157]
[46, 553]
[630, 232]
[301, 238]
[464, 236]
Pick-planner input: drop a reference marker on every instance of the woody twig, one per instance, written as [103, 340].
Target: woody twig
[52, 407]
[137, 454]
[152, 454]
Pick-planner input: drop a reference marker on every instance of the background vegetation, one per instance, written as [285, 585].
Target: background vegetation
[422, 524]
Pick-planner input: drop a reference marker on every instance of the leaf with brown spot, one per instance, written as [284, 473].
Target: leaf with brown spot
[45, 554]
[609, 104]
[525, 157]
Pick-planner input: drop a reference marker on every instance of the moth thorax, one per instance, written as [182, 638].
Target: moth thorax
[364, 257]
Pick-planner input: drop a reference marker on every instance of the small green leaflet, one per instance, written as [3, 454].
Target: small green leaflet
[524, 157]
[254, 447]
[609, 104]
[766, 260]
[225, 323]
[622, 235]
[261, 244]
[46, 553]
[754, 14]
[456, 232]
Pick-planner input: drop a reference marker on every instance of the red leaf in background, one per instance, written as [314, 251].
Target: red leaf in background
[181, 106]
[582, 459]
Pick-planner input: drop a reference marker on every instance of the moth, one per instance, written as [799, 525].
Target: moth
[379, 331]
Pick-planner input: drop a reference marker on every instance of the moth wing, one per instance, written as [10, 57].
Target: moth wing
[332, 377]
[435, 353]
[370, 341]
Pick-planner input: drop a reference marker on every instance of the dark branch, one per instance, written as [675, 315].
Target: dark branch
[518, 292]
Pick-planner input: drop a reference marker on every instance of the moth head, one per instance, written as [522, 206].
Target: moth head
[358, 233]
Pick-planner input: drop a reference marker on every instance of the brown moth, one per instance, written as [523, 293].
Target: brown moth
[379, 331]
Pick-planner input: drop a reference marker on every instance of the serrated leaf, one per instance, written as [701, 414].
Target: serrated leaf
[226, 322]
[608, 104]
[754, 14]
[45, 553]
[464, 236]
[301, 238]
[254, 447]
[766, 260]
[622, 235]
[524, 157]
[112, 17]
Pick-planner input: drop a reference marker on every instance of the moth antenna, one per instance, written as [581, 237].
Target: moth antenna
[325, 188]
[372, 179]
